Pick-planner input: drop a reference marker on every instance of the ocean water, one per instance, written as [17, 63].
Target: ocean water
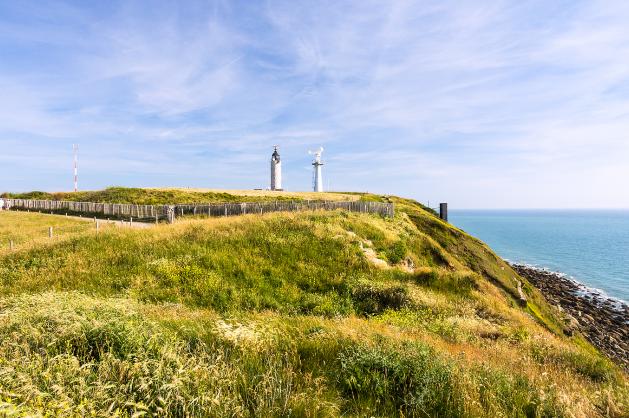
[591, 246]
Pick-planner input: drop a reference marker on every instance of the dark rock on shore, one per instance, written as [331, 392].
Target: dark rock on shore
[605, 323]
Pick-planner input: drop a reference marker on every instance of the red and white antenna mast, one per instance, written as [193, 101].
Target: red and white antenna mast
[75, 149]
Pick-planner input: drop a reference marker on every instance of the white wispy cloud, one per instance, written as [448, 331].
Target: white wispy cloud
[504, 103]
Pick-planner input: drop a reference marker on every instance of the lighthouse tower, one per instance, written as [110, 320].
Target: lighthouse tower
[276, 170]
[317, 180]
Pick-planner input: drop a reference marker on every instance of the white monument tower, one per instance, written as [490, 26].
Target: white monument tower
[317, 181]
[276, 170]
[75, 150]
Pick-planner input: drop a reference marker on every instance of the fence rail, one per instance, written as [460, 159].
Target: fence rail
[170, 212]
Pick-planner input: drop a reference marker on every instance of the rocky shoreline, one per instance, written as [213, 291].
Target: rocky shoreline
[603, 321]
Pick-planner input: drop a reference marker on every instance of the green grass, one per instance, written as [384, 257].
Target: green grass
[104, 356]
[286, 315]
[71, 354]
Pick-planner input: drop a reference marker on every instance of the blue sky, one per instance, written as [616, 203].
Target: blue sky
[480, 104]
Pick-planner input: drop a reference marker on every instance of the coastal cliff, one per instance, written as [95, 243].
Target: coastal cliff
[300, 314]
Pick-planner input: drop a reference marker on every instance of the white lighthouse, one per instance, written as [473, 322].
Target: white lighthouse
[317, 180]
[276, 170]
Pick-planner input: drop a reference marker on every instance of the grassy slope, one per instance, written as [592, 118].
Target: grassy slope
[283, 314]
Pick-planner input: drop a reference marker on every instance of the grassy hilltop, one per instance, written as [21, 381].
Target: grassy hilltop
[300, 314]
[162, 196]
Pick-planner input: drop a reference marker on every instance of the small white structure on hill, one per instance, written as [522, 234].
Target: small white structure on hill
[317, 180]
[276, 170]
[75, 150]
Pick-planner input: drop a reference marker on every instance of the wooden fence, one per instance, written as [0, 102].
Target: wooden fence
[231, 209]
[108, 210]
[150, 213]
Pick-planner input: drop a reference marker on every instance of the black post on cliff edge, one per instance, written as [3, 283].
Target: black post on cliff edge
[443, 211]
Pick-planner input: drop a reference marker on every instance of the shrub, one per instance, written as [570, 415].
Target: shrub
[372, 298]
[518, 334]
[426, 277]
[456, 282]
[412, 382]
[328, 304]
[396, 252]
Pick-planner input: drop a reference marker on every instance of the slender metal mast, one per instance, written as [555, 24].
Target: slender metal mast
[75, 149]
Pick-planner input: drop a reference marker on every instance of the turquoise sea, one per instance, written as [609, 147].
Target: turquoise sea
[591, 246]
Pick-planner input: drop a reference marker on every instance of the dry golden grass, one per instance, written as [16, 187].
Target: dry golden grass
[30, 229]
[161, 196]
[268, 193]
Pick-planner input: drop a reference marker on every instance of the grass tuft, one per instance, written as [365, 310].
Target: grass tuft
[372, 298]
[413, 382]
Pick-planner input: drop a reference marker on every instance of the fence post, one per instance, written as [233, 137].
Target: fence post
[50, 232]
[97, 226]
[171, 214]
[11, 245]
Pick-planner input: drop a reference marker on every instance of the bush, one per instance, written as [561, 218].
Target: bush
[396, 252]
[426, 277]
[372, 298]
[412, 382]
[461, 283]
